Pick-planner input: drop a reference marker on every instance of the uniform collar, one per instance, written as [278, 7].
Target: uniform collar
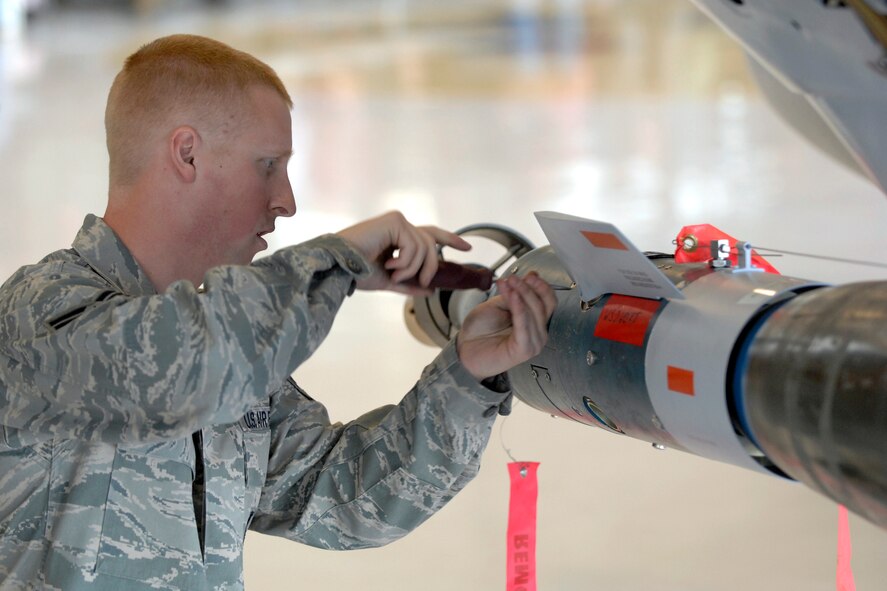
[108, 256]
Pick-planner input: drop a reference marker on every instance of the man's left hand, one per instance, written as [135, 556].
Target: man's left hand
[507, 329]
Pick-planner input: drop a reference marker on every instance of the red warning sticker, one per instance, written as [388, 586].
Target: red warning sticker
[681, 381]
[625, 319]
[604, 240]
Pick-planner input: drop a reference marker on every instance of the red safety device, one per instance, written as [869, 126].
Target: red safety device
[693, 246]
[845, 552]
[521, 544]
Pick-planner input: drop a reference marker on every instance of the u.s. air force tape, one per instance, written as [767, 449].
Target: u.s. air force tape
[256, 419]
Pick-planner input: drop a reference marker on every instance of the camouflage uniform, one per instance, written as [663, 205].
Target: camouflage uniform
[143, 434]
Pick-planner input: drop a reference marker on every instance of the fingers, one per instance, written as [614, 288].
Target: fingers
[445, 238]
[536, 294]
[545, 293]
[532, 290]
[416, 255]
[435, 236]
[429, 265]
[418, 252]
[531, 302]
[529, 336]
[509, 328]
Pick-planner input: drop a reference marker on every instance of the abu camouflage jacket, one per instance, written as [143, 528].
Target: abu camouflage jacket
[142, 434]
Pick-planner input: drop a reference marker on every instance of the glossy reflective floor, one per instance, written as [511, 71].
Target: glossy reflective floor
[640, 113]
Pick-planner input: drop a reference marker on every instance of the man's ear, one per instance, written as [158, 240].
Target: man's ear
[184, 144]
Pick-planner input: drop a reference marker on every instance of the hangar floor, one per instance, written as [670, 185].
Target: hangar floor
[639, 113]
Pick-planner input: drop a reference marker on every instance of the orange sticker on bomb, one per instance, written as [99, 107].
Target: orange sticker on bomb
[681, 380]
[625, 319]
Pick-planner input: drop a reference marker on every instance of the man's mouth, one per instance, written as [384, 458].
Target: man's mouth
[260, 236]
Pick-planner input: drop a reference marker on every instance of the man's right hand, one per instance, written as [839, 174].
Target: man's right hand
[398, 251]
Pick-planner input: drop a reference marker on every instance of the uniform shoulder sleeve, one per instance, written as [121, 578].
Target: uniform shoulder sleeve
[79, 358]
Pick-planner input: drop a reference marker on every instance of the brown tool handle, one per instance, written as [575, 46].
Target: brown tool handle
[453, 276]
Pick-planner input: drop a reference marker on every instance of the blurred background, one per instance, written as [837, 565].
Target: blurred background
[636, 112]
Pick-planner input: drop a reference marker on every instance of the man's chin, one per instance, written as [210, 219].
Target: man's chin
[245, 258]
[250, 252]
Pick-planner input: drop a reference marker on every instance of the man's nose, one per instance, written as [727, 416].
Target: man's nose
[283, 203]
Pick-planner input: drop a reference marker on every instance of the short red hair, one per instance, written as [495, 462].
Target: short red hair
[172, 81]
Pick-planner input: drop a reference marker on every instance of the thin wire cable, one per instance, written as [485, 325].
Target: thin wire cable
[822, 257]
[502, 428]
